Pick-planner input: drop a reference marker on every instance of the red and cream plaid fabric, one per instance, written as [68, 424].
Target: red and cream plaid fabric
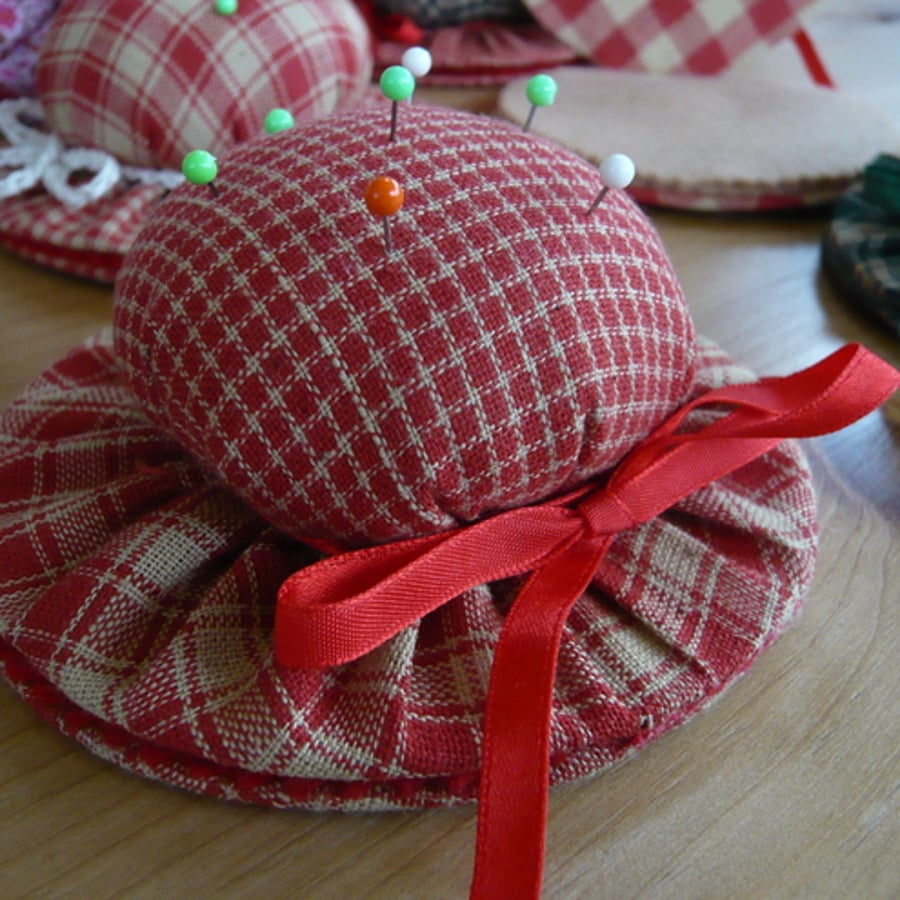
[148, 81]
[90, 242]
[699, 36]
[137, 595]
[510, 348]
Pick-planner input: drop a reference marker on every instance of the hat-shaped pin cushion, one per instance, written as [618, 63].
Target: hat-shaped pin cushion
[337, 522]
[127, 88]
[148, 81]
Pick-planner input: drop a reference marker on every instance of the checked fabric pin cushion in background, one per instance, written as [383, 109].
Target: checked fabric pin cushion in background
[861, 248]
[327, 525]
[137, 85]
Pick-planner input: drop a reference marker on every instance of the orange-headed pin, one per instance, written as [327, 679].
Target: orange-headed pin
[384, 197]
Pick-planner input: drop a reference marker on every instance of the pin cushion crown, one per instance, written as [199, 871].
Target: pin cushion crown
[508, 347]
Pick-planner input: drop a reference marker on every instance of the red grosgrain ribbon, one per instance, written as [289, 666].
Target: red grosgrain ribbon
[344, 606]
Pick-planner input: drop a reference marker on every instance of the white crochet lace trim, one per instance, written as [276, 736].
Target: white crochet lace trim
[33, 156]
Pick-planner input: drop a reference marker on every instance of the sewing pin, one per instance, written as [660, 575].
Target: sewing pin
[418, 61]
[226, 7]
[541, 91]
[278, 120]
[384, 197]
[199, 167]
[616, 171]
[397, 83]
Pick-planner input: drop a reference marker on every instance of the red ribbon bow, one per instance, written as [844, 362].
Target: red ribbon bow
[344, 606]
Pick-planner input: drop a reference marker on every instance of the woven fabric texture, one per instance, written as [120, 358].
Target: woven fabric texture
[509, 348]
[150, 81]
[90, 243]
[137, 595]
[699, 36]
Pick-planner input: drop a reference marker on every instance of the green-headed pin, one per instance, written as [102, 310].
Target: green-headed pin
[278, 120]
[541, 91]
[199, 167]
[397, 83]
[226, 7]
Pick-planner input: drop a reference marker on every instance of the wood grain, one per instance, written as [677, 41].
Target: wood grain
[786, 787]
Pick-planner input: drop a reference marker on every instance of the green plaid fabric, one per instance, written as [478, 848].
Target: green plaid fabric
[861, 249]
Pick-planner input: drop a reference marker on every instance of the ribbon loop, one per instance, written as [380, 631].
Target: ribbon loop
[346, 606]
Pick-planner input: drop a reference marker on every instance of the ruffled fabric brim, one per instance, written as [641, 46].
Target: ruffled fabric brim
[138, 594]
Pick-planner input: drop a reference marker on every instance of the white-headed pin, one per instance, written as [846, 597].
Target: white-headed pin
[616, 171]
[418, 60]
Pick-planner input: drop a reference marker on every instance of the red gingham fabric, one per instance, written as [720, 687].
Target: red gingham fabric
[148, 81]
[137, 595]
[89, 242]
[509, 349]
[699, 36]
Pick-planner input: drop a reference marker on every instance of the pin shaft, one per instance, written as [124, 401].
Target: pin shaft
[603, 192]
[393, 136]
[528, 121]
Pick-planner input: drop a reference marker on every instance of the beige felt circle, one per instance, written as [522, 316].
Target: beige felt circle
[729, 140]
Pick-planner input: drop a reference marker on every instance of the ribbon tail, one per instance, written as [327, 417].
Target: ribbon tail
[824, 398]
[515, 774]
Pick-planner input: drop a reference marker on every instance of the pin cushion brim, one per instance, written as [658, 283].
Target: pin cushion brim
[90, 242]
[138, 593]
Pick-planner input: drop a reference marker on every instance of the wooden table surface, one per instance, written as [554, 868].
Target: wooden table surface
[786, 787]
